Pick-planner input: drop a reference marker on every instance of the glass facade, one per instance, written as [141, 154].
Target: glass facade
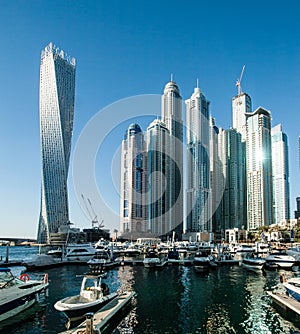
[198, 204]
[57, 91]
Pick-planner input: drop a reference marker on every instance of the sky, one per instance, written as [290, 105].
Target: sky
[125, 49]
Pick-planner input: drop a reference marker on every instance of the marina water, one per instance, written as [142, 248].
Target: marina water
[174, 299]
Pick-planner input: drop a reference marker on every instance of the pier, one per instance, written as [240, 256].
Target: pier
[287, 306]
[105, 317]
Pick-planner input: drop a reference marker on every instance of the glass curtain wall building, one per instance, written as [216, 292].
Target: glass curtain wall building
[280, 170]
[133, 208]
[259, 169]
[171, 108]
[57, 92]
[198, 203]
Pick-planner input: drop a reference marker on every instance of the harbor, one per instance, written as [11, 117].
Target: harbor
[225, 297]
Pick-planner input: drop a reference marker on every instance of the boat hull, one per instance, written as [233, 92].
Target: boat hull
[76, 311]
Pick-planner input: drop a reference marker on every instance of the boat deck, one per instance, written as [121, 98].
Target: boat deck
[285, 302]
[102, 318]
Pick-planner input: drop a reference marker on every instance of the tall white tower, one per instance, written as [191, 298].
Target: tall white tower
[198, 203]
[57, 91]
[280, 170]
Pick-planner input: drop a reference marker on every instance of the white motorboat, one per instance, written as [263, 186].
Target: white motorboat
[292, 286]
[250, 261]
[18, 294]
[42, 261]
[201, 261]
[151, 259]
[244, 248]
[280, 259]
[79, 252]
[294, 251]
[100, 260]
[94, 294]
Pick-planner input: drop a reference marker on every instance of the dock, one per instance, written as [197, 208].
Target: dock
[287, 306]
[105, 317]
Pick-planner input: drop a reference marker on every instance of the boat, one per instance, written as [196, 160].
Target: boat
[100, 260]
[94, 294]
[280, 259]
[42, 261]
[201, 261]
[244, 248]
[173, 254]
[292, 286]
[294, 251]
[79, 252]
[19, 294]
[225, 258]
[151, 259]
[250, 261]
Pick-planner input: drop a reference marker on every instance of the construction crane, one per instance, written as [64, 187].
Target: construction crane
[91, 213]
[238, 82]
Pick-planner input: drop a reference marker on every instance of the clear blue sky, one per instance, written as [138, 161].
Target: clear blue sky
[127, 48]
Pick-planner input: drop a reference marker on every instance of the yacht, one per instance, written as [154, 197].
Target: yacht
[79, 252]
[19, 294]
[292, 286]
[250, 261]
[201, 261]
[280, 259]
[294, 251]
[151, 259]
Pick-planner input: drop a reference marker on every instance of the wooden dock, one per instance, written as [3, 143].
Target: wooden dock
[105, 316]
[287, 306]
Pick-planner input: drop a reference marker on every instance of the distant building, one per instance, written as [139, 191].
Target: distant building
[198, 194]
[241, 105]
[133, 208]
[297, 212]
[280, 171]
[259, 169]
[57, 91]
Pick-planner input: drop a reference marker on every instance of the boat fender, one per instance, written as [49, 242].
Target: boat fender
[282, 278]
[24, 277]
[46, 277]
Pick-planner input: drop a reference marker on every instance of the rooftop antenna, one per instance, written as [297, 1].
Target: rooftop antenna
[171, 76]
[238, 82]
[197, 83]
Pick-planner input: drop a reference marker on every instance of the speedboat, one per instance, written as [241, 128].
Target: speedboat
[201, 261]
[292, 286]
[18, 294]
[294, 251]
[94, 294]
[151, 259]
[280, 259]
[253, 262]
[101, 259]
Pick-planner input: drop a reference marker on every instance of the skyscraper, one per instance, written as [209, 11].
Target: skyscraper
[280, 170]
[241, 105]
[159, 213]
[172, 117]
[259, 169]
[232, 154]
[57, 90]
[133, 208]
[198, 205]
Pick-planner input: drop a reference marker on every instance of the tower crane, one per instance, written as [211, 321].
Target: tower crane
[238, 82]
[91, 213]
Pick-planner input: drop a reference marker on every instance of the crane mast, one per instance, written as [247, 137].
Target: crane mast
[238, 82]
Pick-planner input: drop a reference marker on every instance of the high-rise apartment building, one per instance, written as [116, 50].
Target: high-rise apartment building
[259, 169]
[171, 107]
[280, 170]
[133, 208]
[232, 155]
[241, 105]
[198, 196]
[57, 91]
[159, 202]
